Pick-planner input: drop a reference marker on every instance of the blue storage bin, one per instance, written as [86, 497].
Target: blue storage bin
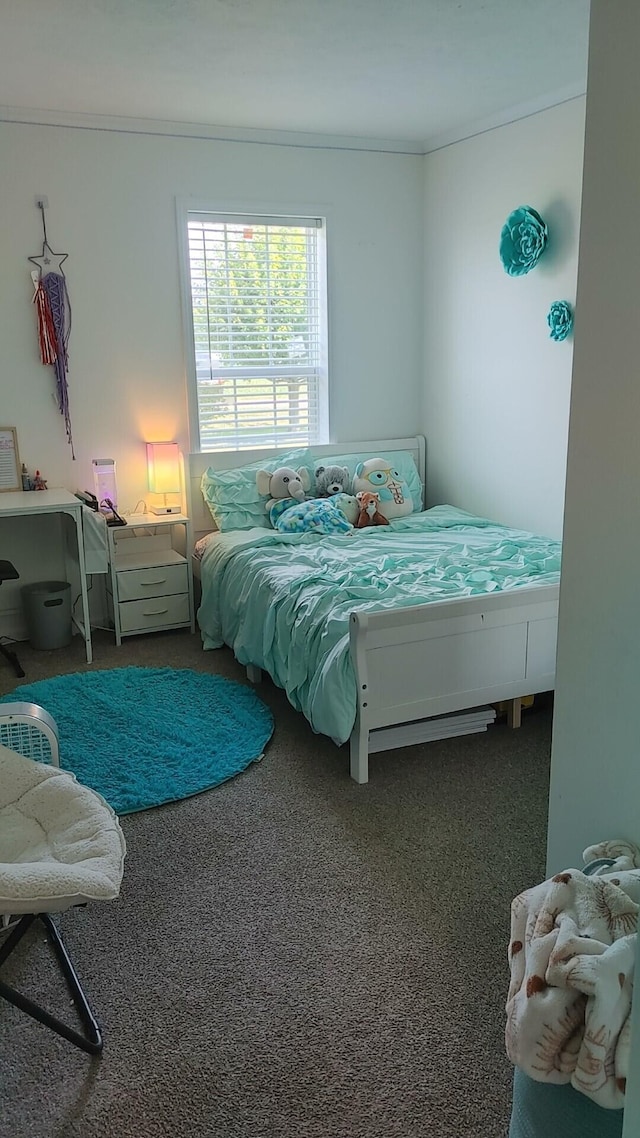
[541, 1110]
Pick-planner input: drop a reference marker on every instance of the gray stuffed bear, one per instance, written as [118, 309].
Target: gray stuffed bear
[330, 480]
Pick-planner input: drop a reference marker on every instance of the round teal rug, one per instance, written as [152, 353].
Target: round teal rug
[145, 736]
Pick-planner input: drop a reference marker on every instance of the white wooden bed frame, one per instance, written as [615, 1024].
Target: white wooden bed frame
[415, 667]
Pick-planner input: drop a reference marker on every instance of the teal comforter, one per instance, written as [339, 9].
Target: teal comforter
[282, 601]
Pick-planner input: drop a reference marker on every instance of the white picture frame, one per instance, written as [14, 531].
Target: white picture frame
[10, 476]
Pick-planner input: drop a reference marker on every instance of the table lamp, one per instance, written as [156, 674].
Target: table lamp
[163, 467]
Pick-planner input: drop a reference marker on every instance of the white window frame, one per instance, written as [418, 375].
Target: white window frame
[270, 213]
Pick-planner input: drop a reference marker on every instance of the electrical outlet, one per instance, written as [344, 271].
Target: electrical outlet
[42, 201]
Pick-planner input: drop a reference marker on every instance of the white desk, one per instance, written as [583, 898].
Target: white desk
[24, 503]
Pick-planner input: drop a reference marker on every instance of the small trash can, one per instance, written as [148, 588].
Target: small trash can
[47, 609]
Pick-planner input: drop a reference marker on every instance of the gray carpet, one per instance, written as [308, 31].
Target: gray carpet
[293, 955]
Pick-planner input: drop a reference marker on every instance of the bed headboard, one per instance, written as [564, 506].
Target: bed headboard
[202, 521]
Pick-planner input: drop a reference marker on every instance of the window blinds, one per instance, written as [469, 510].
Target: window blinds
[258, 329]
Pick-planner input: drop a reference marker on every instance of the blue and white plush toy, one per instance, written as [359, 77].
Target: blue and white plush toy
[378, 476]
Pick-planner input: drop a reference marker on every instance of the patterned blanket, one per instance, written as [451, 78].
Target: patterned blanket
[316, 515]
[571, 957]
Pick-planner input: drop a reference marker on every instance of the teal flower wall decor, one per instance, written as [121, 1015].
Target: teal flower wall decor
[522, 241]
[560, 319]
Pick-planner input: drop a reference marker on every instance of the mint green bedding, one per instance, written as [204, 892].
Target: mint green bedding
[282, 601]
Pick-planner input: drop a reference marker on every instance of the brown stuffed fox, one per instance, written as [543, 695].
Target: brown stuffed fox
[369, 513]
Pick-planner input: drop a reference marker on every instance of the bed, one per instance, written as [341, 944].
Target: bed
[388, 636]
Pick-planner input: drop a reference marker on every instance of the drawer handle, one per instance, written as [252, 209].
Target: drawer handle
[162, 581]
[158, 612]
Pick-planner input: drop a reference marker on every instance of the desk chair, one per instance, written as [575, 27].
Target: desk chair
[8, 572]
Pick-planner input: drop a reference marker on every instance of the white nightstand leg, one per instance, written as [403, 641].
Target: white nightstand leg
[188, 549]
[114, 585]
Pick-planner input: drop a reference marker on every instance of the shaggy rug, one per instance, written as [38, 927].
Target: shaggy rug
[145, 736]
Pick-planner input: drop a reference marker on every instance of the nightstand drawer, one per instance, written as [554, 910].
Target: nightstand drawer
[156, 612]
[159, 581]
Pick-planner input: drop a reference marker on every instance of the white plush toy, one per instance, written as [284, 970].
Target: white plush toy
[377, 476]
[283, 483]
[348, 505]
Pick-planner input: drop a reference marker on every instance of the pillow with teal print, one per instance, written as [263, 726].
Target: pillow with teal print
[400, 460]
[232, 495]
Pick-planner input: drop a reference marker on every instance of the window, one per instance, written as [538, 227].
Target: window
[258, 308]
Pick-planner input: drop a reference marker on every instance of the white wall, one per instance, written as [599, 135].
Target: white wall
[595, 785]
[112, 208]
[497, 387]
[595, 769]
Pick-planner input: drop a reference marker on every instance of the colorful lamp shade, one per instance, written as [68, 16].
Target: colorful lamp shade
[163, 466]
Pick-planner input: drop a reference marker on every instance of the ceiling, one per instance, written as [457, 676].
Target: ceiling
[416, 73]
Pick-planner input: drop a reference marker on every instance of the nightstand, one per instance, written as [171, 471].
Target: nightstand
[151, 578]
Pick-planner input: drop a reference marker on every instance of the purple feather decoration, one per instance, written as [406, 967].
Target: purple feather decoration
[55, 287]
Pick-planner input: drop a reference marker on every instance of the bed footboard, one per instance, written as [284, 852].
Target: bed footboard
[414, 666]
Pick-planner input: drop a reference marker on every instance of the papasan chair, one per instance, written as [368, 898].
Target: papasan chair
[60, 845]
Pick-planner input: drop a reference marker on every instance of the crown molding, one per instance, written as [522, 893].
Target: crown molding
[204, 132]
[503, 118]
[76, 120]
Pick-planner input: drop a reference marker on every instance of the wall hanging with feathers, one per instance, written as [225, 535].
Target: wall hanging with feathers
[53, 310]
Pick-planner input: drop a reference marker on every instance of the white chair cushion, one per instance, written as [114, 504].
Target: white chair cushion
[60, 843]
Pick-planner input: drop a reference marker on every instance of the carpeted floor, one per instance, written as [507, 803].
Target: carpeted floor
[294, 956]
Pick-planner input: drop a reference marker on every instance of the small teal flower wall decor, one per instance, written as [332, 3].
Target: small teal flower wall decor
[560, 319]
[522, 241]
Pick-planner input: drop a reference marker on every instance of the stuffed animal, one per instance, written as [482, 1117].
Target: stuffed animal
[283, 483]
[332, 480]
[369, 513]
[348, 505]
[377, 475]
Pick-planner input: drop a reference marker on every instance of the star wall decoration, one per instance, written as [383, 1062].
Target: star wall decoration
[48, 261]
